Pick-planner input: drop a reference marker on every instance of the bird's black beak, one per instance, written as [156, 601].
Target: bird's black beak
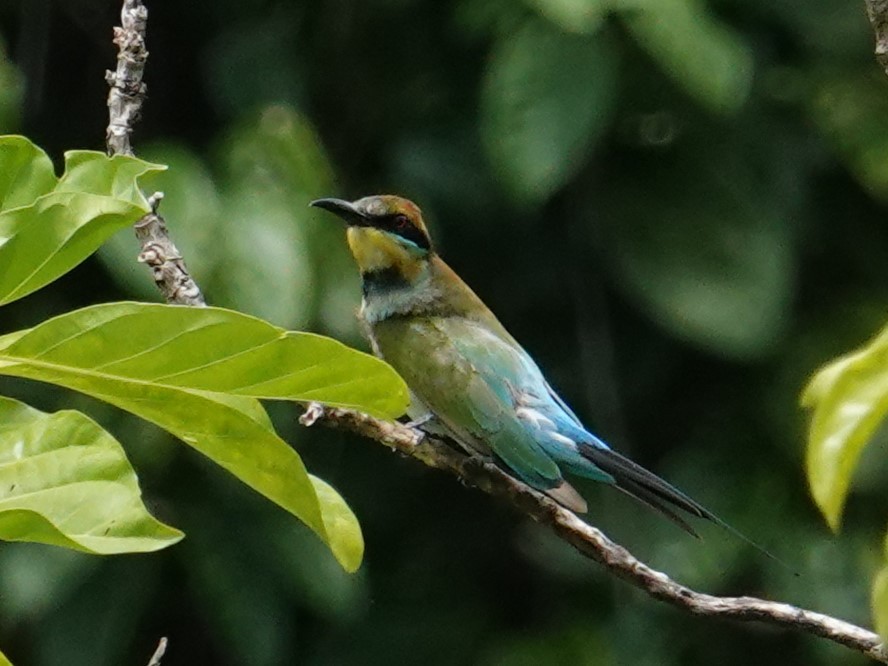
[344, 209]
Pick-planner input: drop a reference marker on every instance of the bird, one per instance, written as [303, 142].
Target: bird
[469, 379]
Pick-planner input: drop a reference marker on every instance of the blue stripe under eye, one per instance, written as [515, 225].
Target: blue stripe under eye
[406, 241]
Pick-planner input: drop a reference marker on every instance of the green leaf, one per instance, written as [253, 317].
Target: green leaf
[546, 98]
[25, 172]
[274, 166]
[849, 397]
[203, 349]
[581, 16]
[170, 365]
[4, 661]
[95, 197]
[705, 56]
[341, 524]
[9, 338]
[277, 150]
[704, 249]
[114, 177]
[12, 91]
[851, 112]
[65, 481]
[41, 242]
[880, 598]
[267, 253]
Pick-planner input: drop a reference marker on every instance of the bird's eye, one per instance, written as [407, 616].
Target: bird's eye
[401, 221]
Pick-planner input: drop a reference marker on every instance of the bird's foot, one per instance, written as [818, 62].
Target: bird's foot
[419, 422]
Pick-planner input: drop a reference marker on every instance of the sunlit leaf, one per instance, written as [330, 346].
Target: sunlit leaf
[168, 364]
[205, 349]
[705, 56]
[547, 96]
[880, 598]
[4, 661]
[9, 338]
[65, 481]
[342, 526]
[25, 172]
[114, 177]
[849, 397]
[40, 242]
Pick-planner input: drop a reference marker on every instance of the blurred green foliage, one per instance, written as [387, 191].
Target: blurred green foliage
[678, 207]
[536, 122]
[880, 597]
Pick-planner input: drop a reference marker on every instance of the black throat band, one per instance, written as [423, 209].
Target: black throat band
[382, 280]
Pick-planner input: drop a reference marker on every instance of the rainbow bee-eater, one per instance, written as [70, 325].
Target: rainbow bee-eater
[465, 370]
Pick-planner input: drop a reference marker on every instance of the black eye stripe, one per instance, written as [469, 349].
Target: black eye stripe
[402, 225]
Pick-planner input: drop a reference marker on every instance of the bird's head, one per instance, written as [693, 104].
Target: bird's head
[385, 233]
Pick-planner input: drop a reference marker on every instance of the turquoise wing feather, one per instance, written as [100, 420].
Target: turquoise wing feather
[468, 377]
[532, 403]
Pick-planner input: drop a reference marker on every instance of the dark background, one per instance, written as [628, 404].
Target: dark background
[678, 208]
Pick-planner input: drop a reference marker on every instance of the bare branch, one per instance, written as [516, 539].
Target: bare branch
[127, 92]
[590, 541]
[159, 652]
[161, 255]
[877, 10]
[125, 98]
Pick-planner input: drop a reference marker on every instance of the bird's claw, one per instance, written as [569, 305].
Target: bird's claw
[420, 421]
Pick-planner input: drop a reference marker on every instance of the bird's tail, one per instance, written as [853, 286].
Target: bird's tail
[647, 487]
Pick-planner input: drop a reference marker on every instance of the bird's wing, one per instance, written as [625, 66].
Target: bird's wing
[467, 377]
[563, 405]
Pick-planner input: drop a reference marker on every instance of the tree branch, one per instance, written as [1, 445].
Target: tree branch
[125, 98]
[877, 11]
[590, 541]
[159, 652]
